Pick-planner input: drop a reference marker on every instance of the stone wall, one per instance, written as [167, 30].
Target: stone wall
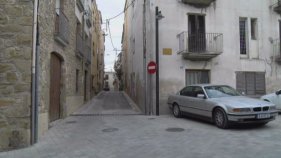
[70, 99]
[15, 72]
[16, 19]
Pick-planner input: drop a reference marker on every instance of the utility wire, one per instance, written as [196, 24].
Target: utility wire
[110, 34]
[108, 25]
[133, 1]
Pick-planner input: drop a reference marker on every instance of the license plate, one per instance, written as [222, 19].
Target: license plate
[263, 116]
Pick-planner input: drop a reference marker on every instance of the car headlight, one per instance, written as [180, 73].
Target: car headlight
[272, 107]
[241, 110]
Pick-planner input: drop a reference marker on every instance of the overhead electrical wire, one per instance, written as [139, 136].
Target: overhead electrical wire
[133, 1]
[110, 35]
[108, 24]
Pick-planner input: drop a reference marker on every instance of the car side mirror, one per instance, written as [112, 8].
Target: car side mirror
[278, 92]
[201, 96]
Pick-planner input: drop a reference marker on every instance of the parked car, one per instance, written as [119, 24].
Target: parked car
[275, 98]
[222, 105]
[106, 88]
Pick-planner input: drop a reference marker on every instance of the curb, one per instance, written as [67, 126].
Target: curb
[131, 103]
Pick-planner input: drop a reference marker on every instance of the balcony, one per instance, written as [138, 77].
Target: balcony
[79, 45]
[198, 3]
[61, 28]
[277, 51]
[277, 7]
[80, 4]
[89, 18]
[200, 46]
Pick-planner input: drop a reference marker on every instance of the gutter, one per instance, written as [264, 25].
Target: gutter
[35, 57]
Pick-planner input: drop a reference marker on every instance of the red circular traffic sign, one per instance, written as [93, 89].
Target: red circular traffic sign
[151, 67]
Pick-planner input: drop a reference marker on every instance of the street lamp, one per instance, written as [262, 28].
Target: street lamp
[158, 16]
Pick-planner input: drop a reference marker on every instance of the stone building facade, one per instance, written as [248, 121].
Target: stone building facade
[63, 53]
[98, 51]
[15, 72]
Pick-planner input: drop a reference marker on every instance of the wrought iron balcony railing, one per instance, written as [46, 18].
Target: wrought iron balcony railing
[80, 4]
[277, 51]
[277, 6]
[198, 3]
[89, 18]
[200, 46]
[61, 28]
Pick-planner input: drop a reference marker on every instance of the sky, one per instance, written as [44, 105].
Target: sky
[109, 9]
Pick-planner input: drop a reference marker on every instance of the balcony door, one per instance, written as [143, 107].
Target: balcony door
[196, 33]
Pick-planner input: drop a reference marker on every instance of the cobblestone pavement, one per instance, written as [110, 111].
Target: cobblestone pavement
[139, 136]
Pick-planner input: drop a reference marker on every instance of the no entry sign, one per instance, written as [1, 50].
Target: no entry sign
[151, 67]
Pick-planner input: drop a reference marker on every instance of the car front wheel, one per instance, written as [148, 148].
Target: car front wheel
[176, 110]
[220, 118]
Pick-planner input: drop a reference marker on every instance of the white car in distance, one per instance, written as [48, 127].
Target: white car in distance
[274, 98]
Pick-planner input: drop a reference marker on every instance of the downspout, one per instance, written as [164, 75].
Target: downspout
[144, 57]
[35, 54]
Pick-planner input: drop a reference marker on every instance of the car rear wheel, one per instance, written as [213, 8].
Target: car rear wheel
[220, 118]
[176, 110]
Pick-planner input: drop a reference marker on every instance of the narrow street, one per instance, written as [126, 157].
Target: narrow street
[108, 127]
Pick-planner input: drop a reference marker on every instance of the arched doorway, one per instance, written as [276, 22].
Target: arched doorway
[55, 88]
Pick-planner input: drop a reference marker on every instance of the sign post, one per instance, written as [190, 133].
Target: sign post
[151, 69]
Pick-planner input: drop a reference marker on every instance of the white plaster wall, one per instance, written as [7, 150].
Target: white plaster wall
[110, 80]
[221, 17]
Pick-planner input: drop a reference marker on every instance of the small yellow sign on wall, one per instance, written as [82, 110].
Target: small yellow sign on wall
[167, 51]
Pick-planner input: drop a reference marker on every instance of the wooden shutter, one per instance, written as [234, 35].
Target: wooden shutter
[250, 83]
[241, 82]
[260, 83]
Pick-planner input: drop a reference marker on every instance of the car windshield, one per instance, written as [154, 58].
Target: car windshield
[220, 91]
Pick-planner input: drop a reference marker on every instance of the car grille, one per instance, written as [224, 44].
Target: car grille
[265, 108]
[257, 109]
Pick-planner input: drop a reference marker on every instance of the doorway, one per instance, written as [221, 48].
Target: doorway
[196, 33]
[55, 88]
[85, 86]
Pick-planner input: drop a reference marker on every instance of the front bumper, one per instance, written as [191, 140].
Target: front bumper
[251, 118]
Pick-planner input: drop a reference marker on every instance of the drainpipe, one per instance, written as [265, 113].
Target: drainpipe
[35, 55]
[144, 57]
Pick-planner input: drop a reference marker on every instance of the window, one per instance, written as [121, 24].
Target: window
[59, 6]
[197, 77]
[250, 83]
[197, 90]
[187, 91]
[243, 36]
[191, 91]
[254, 29]
[77, 81]
[196, 33]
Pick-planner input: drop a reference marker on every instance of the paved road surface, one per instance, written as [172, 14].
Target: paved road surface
[139, 136]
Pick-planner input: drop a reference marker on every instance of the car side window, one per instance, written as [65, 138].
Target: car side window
[187, 91]
[197, 90]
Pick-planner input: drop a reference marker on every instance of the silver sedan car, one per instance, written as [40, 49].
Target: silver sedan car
[222, 104]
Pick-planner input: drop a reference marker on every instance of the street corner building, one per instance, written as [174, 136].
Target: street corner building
[46, 61]
[232, 42]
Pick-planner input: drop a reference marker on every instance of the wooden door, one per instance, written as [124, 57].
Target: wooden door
[55, 81]
[85, 86]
